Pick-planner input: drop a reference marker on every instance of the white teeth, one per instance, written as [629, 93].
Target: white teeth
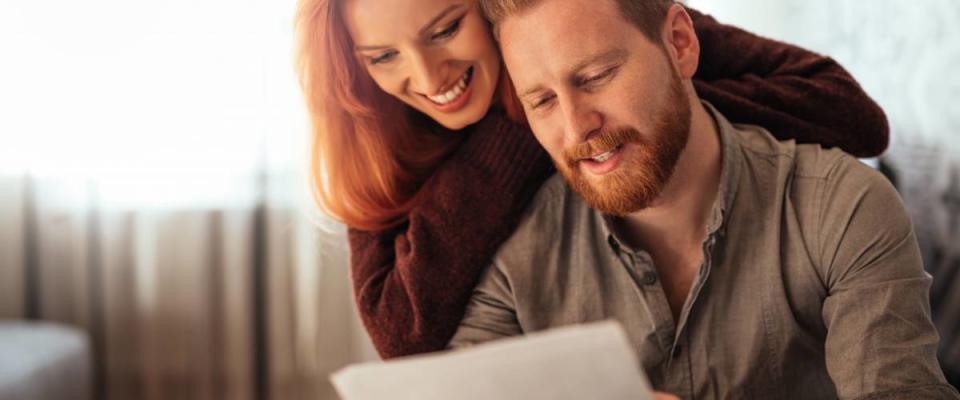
[605, 156]
[452, 94]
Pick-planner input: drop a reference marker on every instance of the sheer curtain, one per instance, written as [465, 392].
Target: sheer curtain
[153, 193]
[904, 53]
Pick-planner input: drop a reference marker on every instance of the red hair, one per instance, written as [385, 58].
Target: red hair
[370, 153]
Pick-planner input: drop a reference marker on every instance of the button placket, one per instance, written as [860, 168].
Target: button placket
[698, 283]
[678, 367]
[666, 326]
[613, 243]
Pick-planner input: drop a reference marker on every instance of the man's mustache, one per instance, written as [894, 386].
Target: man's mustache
[600, 143]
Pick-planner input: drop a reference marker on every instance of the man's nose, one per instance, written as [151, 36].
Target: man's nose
[426, 73]
[582, 119]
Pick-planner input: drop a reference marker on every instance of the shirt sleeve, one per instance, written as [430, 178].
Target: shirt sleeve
[881, 342]
[793, 92]
[491, 314]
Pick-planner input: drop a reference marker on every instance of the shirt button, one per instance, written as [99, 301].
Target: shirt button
[649, 278]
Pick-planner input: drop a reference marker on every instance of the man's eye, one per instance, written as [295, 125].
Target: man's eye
[383, 58]
[448, 31]
[543, 102]
[599, 77]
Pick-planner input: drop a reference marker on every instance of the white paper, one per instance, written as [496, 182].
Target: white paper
[592, 361]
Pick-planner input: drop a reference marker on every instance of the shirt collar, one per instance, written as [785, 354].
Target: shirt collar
[731, 158]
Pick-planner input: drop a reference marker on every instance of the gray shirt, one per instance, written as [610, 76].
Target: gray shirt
[811, 285]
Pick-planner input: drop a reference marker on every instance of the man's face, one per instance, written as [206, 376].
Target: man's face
[604, 100]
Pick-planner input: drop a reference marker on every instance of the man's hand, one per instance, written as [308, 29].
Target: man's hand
[664, 396]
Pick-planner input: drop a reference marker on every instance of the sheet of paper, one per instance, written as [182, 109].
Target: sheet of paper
[592, 361]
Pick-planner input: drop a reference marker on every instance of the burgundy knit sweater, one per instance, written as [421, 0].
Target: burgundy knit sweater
[412, 283]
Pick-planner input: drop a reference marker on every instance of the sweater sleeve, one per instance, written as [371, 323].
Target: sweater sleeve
[412, 282]
[792, 92]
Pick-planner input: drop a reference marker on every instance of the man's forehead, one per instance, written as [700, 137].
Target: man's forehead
[557, 20]
[558, 36]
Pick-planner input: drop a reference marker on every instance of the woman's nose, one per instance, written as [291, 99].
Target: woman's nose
[426, 73]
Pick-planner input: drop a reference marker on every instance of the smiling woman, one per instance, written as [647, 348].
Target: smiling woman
[363, 78]
[442, 62]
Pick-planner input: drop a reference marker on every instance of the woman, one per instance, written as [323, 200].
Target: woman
[420, 146]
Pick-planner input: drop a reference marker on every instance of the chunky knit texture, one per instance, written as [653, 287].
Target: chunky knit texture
[412, 283]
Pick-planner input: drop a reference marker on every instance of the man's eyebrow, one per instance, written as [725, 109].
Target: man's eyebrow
[608, 56]
[426, 28]
[530, 91]
[605, 57]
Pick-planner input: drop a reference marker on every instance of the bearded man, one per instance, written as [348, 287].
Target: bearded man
[740, 266]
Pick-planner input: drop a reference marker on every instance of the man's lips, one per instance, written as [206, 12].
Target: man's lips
[604, 156]
[602, 163]
[601, 152]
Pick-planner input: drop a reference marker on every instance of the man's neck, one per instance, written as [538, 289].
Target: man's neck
[673, 229]
[677, 219]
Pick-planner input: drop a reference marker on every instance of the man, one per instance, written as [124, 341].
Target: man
[740, 266]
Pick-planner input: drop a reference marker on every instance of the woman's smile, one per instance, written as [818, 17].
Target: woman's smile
[455, 96]
[411, 47]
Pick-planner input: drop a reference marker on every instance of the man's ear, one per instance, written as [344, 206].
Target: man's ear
[681, 41]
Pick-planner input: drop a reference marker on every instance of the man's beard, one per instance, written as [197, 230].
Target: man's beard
[644, 170]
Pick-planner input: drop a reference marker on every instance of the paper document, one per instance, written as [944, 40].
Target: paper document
[592, 361]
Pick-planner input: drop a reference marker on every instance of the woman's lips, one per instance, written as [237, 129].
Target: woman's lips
[461, 99]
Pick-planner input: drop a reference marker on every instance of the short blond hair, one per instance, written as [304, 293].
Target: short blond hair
[646, 15]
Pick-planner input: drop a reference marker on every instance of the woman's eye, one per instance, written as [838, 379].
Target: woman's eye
[448, 31]
[383, 58]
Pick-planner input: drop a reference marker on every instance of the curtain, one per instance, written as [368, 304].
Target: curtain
[153, 192]
[189, 303]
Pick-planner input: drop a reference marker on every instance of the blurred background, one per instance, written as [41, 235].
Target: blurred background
[157, 237]
[153, 194]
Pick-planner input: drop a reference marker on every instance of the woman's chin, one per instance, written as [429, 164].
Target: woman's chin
[469, 115]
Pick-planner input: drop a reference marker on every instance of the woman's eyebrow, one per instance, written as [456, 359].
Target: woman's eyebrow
[369, 48]
[423, 31]
[433, 21]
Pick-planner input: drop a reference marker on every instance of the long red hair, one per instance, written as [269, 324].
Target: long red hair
[370, 153]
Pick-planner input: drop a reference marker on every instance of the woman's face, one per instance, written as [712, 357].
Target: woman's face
[437, 56]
